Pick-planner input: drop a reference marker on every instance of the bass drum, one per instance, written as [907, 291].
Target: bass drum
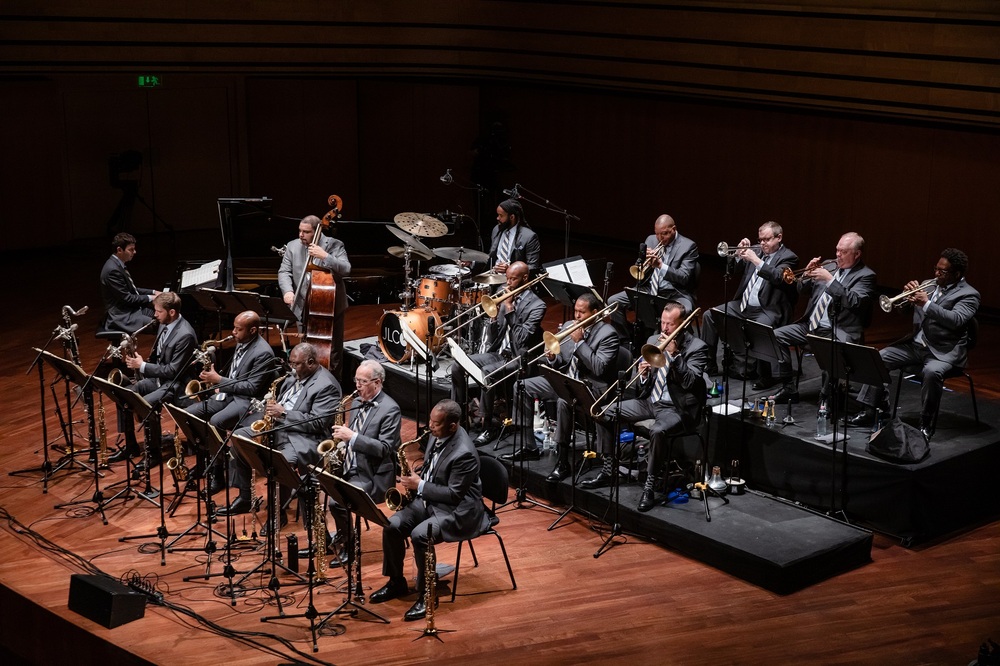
[390, 332]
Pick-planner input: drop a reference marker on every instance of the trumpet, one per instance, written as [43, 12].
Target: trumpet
[490, 306]
[790, 276]
[726, 250]
[887, 304]
[654, 355]
[639, 272]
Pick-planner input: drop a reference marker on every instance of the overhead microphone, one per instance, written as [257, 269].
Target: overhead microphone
[67, 310]
[513, 193]
[447, 178]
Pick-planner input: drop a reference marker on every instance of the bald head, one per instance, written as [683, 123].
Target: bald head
[665, 229]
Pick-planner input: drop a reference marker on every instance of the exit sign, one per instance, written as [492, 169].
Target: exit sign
[150, 81]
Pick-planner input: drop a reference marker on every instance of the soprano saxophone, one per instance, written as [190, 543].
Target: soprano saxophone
[102, 451]
[430, 583]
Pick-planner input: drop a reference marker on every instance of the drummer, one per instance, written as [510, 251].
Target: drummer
[512, 240]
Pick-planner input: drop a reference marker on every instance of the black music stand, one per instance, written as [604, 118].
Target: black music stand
[579, 397]
[127, 399]
[206, 441]
[848, 361]
[355, 500]
[272, 465]
[46, 466]
[648, 307]
[70, 373]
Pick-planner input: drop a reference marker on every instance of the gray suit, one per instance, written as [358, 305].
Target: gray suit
[451, 502]
[677, 283]
[127, 307]
[525, 247]
[255, 373]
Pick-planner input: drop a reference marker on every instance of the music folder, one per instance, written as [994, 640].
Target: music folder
[64, 367]
[352, 497]
[264, 460]
[200, 433]
[569, 389]
[124, 397]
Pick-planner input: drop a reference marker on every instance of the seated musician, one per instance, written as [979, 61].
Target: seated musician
[672, 261]
[939, 340]
[305, 401]
[249, 374]
[589, 353]
[371, 433]
[332, 255]
[127, 306]
[448, 498]
[164, 375]
[516, 328]
[512, 240]
[672, 395]
[762, 295]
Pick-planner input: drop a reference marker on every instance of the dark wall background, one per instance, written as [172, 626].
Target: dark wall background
[825, 117]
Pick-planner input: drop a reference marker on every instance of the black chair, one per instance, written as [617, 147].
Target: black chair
[495, 488]
[954, 373]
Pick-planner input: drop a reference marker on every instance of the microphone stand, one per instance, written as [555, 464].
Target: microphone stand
[546, 204]
[614, 495]
[833, 311]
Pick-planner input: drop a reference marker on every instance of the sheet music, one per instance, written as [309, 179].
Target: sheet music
[201, 275]
[572, 270]
[459, 356]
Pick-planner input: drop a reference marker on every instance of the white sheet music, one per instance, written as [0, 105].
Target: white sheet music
[459, 356]
[573, 270]
[201, 275]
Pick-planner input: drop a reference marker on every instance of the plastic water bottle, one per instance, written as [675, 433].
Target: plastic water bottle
[821, 430]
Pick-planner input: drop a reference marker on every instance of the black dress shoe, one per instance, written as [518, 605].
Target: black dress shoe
[239, 505]
[927, 432]
[786, 395]
[602, 480]
[418, 610]
[122, 454]
[866, 417]
[486, 436]
[391, 590]
[764, 384]
[646, 502]
[215, 485]
[522, 453]
[562, 471]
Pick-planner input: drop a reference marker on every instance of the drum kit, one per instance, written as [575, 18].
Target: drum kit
[445, 290]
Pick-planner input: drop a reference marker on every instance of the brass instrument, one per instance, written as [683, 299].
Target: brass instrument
[726, 250]
[652, 354]
[887, 304]
[102, 450]
[203, 355]
[176, 464]
[124, 349]
[639, 272]
[394, 499]
[490, 305]
[790, 276]
[333, 452]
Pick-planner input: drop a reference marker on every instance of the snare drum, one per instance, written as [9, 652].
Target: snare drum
[435, 292]
[390, 332]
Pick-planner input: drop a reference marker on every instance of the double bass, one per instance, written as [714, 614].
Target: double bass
[317, 292]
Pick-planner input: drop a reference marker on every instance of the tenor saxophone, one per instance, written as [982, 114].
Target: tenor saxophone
[266, 422]
[333, 451]
[176, 464]
[394, 498]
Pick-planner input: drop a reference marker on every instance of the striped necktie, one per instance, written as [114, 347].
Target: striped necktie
[822, 305]
[752, 286]
[503, 255]
[659, 386]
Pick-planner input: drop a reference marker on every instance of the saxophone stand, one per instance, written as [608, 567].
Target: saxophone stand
[203, 437]
[354, 500]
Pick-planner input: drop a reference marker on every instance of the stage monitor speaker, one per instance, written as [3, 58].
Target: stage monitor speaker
[105, 601]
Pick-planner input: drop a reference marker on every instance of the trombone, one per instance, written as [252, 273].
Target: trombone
[726, 250]
[654, 355]
[639, 272]
[489, 304]
[790, 276]
[887, 304]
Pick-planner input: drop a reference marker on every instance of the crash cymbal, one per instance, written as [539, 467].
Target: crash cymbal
[490, 278]
[419, 248]
[419, 224]
[461, 254]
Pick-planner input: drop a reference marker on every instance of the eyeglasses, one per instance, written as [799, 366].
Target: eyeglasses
[766, 240]
[363, 382]
[942, 271]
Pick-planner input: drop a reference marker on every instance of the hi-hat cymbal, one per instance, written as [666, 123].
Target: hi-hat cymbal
[461, 254]
[418, 248]
[419, 224]
[490, 278]
[400, 251]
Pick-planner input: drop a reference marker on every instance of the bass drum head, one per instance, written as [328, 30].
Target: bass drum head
[390, 332]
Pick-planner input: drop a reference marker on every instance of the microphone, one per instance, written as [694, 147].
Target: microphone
[447, 178]
[642, 254]
[513, 193]
[66, 333]
[607, 271]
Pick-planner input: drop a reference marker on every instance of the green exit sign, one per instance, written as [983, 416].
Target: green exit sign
[150, 81]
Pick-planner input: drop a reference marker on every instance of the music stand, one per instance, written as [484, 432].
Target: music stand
[205, 439]
[127, 399]
[46, 466]
[648, 307]
[847, 360]
[205, 301]
[71, 373]
[354, 500]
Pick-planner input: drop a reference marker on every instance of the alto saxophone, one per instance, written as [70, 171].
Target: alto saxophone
[333, 452]
[176, 464]
[394, 498]
[266, 422]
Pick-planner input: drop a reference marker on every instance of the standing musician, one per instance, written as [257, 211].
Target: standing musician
[249, 374]
[372, 439]
[516, 329]
[512, 240]
[939, 340]
[127, 306]
[589, 354]
[164, 374]
[332, 255]
[449, 498]
[842, 297]
[305, 400]
[672, 271]
[672, 395]
[762, 295]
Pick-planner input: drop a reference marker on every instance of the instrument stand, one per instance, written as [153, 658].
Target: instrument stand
[521, 492]
[272, 465]
[707, 490]
[354, 500]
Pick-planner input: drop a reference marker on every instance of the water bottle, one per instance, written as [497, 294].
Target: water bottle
[821, 430]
